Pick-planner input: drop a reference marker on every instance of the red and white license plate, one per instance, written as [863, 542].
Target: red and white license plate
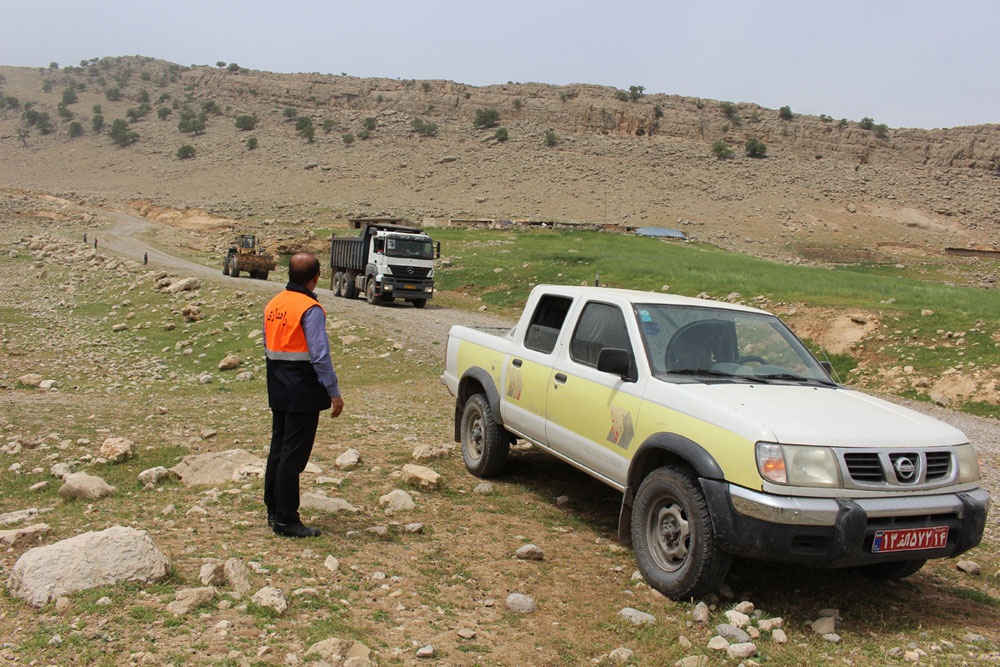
[910, 539]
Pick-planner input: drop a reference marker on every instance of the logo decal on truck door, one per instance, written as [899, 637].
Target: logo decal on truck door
[514, 383]
[621, 432]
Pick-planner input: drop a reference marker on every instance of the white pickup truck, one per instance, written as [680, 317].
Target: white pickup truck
[723, 433]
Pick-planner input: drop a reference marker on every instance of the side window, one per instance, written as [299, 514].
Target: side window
[546, 323]
[600, 326]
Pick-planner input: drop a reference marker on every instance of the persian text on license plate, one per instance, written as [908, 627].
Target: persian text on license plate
[910, 539]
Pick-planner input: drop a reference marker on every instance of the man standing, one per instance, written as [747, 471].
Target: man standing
[301, 382]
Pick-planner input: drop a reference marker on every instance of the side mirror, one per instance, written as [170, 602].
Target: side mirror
[438, 256]
[616, 361]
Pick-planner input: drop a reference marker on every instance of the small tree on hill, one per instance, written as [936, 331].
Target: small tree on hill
[551, 138]
[501, 134]
[304, 128]
[730, 111]
[755, 148]
[785, 113]
[881, 130]
[290, 113]
[721, 150]
[635, 92]
[69, 96]
[368, 124]
[328, 125]
[251, 143]
[74, 130]
[97, 124]
[233, 67]
[246, 122]
[220, 63]
[486, 118]
[121, 134]
[424, 128]
[163, 112]
[184, 152]
[348, 138]
[867, 124]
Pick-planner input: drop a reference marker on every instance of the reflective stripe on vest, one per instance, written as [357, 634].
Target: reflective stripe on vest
[283, 333]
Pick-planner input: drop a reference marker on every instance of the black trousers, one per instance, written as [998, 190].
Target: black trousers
[292, 436]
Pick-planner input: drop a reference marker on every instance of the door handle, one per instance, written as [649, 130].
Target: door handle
[560, 378]
[517, 363]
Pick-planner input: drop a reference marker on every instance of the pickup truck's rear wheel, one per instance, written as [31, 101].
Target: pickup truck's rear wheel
[485, 444]
[672, 532]
[891, 571]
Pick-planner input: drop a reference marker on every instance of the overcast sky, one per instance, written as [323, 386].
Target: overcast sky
[912, 63]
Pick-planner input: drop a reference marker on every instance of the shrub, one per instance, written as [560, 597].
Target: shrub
[304, 128]
[518, 103]
[185, 151]
[97, 123]
[163, 112]
[635, 92]
[551, 138]
[96, 108]
[246, 122]
[220, 63]
[425, 86]
[348, 138]
[658, 111]
[368, 124]
[252, 143]
[121, 134]
[113, 94]
[486, 118]
[64, 112]
[424, 128]
[69, 96]
[133, 114]
[785, 113]
[162, 98]
[291, 113]
[143, 96]
[721, 150]
[74, 130]
[562, 97]
[730, 111]
[9, 102]
[500, 134]
[621, 95]
[146, 76]
[364, 135]
[843, 123]
[53, 65]
[823, 117]
[233, 67]
[881, 130]
[755, 148]
[867, 124]
[210, 106]
[328, 125]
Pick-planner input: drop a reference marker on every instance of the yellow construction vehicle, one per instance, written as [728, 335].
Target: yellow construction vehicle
[246, 255]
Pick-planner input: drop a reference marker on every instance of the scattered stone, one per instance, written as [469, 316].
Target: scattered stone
[520, 603]
[636, 617]
[331, 563]
[778, 636]
[700, 613]
[483, 489]
[323, 503]
[119, 327]
[188, 599]
[208, 433]
[272, 598]
[215, 467]
[39, 486]
[426, 452]
[732, 633]
[212, 574]
[562, 501]
[117, 449]
[832, 637]
[60, 470]
[620, 655]
[104, 601]
[30, 379]
[741, 651]
[82, 485]
[718, 643]
[114, 555]
[18, 537]
[192, 313]
[824, 625]
[768, 624]
[244, 376]
[530, 552]
[851, 208]
[17, 516]
[466, 633]
[348, 459]
[426, 651]
[154, 475]
[229, 362]
[969, 567]
[185, 284]
[237, 575]
[744, 607]
[397, 501]
[692, 661]
[412, 528]
[63, 604]
[737, 619]
[421, 476]
[341, 652]
[911, 656]
[926, 312]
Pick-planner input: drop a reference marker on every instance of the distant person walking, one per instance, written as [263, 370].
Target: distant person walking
[301, 383]
[85, 237]
[145, 258]
[95, 243]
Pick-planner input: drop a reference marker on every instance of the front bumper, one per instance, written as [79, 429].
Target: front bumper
[838, 532]
[404, 288]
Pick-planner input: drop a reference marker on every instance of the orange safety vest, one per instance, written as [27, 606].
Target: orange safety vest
[284, 337]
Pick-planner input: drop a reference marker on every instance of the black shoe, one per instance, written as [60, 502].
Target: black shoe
[270, 520]
[294, 530]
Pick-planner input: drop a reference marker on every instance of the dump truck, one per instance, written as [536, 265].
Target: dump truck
[387, 261]
[246, 255]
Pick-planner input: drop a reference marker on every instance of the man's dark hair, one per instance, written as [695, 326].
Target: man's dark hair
[303, 267]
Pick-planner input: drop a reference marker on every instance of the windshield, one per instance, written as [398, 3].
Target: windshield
[417, 248]
[690, 340]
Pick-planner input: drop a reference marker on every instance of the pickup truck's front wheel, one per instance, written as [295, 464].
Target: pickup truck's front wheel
[890, 571]
[675, 545]
[485, 445]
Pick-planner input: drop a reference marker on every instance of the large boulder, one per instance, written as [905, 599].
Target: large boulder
[215, 467]
[184, 284]
[116, 449]
[115, 555]
[84, 486]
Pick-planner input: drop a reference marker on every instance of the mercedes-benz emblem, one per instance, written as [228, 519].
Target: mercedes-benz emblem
[905, 468]
[409, 270]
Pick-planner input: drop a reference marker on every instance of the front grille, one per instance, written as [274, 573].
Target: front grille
[938, 465]
[864, 467]
[409, 272]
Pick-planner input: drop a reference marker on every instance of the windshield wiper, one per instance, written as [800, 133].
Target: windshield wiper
[710, 372]
[796, 378]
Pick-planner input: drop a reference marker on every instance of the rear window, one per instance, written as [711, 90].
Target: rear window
[546, 323]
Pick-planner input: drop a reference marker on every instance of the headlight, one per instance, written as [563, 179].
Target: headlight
[386, 287]
[968, 463]
[430, 274]
[797, 465]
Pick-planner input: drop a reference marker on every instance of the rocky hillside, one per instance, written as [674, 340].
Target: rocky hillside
[574, 153]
